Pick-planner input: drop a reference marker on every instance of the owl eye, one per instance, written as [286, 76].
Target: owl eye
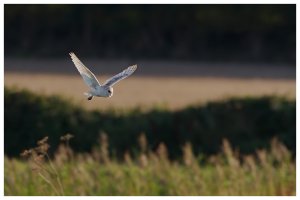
[109, 91]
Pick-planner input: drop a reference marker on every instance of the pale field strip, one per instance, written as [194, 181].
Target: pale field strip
[173, 92]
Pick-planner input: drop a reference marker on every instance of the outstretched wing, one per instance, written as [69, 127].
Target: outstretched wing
[124, 74]
[88, 77]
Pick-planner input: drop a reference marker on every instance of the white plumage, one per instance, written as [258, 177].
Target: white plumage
[90, 79]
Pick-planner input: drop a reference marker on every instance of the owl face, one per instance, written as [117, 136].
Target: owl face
[109, 91]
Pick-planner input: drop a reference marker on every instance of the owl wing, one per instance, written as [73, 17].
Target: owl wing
[124, 74]
[88, 77]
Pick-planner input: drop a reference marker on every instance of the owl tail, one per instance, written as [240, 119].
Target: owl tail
[88, 95]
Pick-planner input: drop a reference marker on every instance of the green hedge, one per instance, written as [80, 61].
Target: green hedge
[248, 123]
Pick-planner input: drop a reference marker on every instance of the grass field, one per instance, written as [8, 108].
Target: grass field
[268, 172]
[174, 84]
[173, 92]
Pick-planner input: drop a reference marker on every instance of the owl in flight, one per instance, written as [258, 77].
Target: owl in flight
[97, 89]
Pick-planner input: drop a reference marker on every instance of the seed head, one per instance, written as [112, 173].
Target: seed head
[43, 141]
[42, 148]
[66, 137]
[26, 153]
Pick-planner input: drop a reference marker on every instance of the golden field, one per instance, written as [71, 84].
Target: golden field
[148, 91]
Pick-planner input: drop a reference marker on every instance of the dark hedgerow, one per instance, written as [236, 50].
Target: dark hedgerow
[248, 123]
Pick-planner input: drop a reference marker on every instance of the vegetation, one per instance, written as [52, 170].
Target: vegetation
[248, 123]
[149, 152]
[267, 172]
[192, 32]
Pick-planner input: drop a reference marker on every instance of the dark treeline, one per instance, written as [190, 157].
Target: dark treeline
[248, 123]
[197, 32]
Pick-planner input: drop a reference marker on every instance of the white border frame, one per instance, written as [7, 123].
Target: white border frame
[140, 2]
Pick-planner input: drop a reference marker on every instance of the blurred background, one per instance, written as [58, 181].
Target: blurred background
[250, 33]
[205, 73]
[180, 50]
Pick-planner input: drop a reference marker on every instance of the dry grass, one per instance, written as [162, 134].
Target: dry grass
[175, 92]
[271, 172]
